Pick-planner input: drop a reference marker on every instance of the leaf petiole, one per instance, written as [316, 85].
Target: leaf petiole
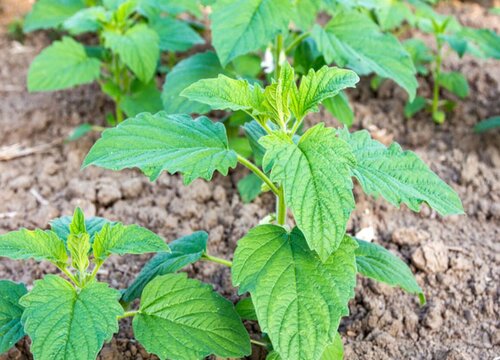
[127, 314]
[217, 260]
[243, 161]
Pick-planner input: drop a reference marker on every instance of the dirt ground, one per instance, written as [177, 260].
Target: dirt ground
[456, 259]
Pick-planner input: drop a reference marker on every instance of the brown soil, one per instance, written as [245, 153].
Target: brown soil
[456, 259]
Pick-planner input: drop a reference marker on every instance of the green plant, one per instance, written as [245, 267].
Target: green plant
[300, 279]
[71, 317]
[130, 35]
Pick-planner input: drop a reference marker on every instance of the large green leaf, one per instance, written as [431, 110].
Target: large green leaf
[305, 12]
[334, 351]
[11, 329]
[36, 244]
[242, 26]
[138, 48]
[92, 225]
[126, 239]
[67, 324]
[175, 35]
[319, 85]
[183, 251]
[315, 173]
[62, 65]
[188, 71]
[352, 39]
[299, 299]
[158, 142]
[399, 176]
[48, 14]
[377, 263]
[181, 318]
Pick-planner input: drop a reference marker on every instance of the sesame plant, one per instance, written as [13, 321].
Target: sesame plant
[124, 51]
[298, 265]
[71, 316]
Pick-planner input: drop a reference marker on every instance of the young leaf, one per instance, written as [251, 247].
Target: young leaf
[175, 143]
[48, 14]
[79, 132]
[319, 85]
[11, 329]
[340, 108]
[79, 248]
[62, 65]
[187, 72]
[295, 294]
[126, 239]
[420, 54]
[86, 20]
[181, 318]
[77, 225]
[144, 98]
[352, 39]
[183, 251]
[249, 187]
[377, 263]
[65, 324]
[36, 244]
[92, 226]
[138, 48]
[413, 107]
[175, 35]
[455, 83]
[278, 94]
[399, 176]
[245, 309]
[242, 26]
[315, 173]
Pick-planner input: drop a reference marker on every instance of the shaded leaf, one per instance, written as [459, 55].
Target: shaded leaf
[11, 329]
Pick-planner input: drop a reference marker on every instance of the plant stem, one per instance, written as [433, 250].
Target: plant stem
[127, 314]
[260, 343]
[118, 113]
[217, 260]
[70, 276]
[437, 73]
[297, 41]
[96, 269]
[259, 173]
[295, 127]
[281, 207]
[279, 49]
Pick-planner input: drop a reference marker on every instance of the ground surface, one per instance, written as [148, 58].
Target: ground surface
[456, 260]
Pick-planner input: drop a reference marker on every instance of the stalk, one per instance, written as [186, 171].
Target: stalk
[259, 173]
[127, 314]
[279, 49]
[281, 207]
[217, 260]
[437, 73]
[297, 41]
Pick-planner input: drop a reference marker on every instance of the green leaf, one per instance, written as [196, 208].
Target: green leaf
[399, 176]
[319, 85]
[482, 42]
[175, 35]
[242, 26]
[225, 93]
[87, 20]
[246, 310]
[352, 39]
[390, 16]
[62, 65]
[36, 244]
[295, 294]
[255, 132]
[92, 226]
[11, 329]
[126, 239]
[181, 318]
[187, 72]
[304, 12]
[144, 98]
[340, 108]
[334, 351]
[79, 248]
[79, 132]
[315, 173]
[183, 251]
[48, 14]
[249, 187]
[377, 263]
[138, 48]
[65, 324]
[175, 143]
[420, 54]
[77, 224]
[413, 107]
[487, 124]
[278, 96]
[455, 83]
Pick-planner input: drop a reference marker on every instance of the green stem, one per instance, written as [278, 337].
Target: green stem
[70, 276]
[436, 75]
[260, 343]
[297, 41]
[281, 207]
[98, 128]
[295, 127]
[217, 260]
[96, 269]
[243, 161]
[127, 314]
[279, 49]
[118, 113]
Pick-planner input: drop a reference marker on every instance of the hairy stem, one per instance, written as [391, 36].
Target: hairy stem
[243, 161]
[277, 59]
[297, 41]
[217, 260]
[281, 207]
[127, 314]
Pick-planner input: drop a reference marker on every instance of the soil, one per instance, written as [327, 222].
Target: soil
[456, 259]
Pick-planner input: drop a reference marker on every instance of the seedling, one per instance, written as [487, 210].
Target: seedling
[71, 316]
[130, 35]
[300, 279]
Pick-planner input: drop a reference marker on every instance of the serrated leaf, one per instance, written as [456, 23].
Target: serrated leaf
[175, 35]
[77, 224]
[37, 244]
[181, 318]
[242, 26]
[126, 239]
[187, 72]
[11, 329]
[79, 248]
[183, 251]
[92, 226]
[299, 299]
[249, 187]
[319, 85]
[245, 309]
[377, 263]
[399, 176]
[315, 173]
[65, 324]
[352, 39]
[455, 83]
[138, 48]
[48, 14]
[144, 98]
[278, 95]
[62, 65]
[158, 142]
[86, 20]
[340, 108]
[334, 351]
